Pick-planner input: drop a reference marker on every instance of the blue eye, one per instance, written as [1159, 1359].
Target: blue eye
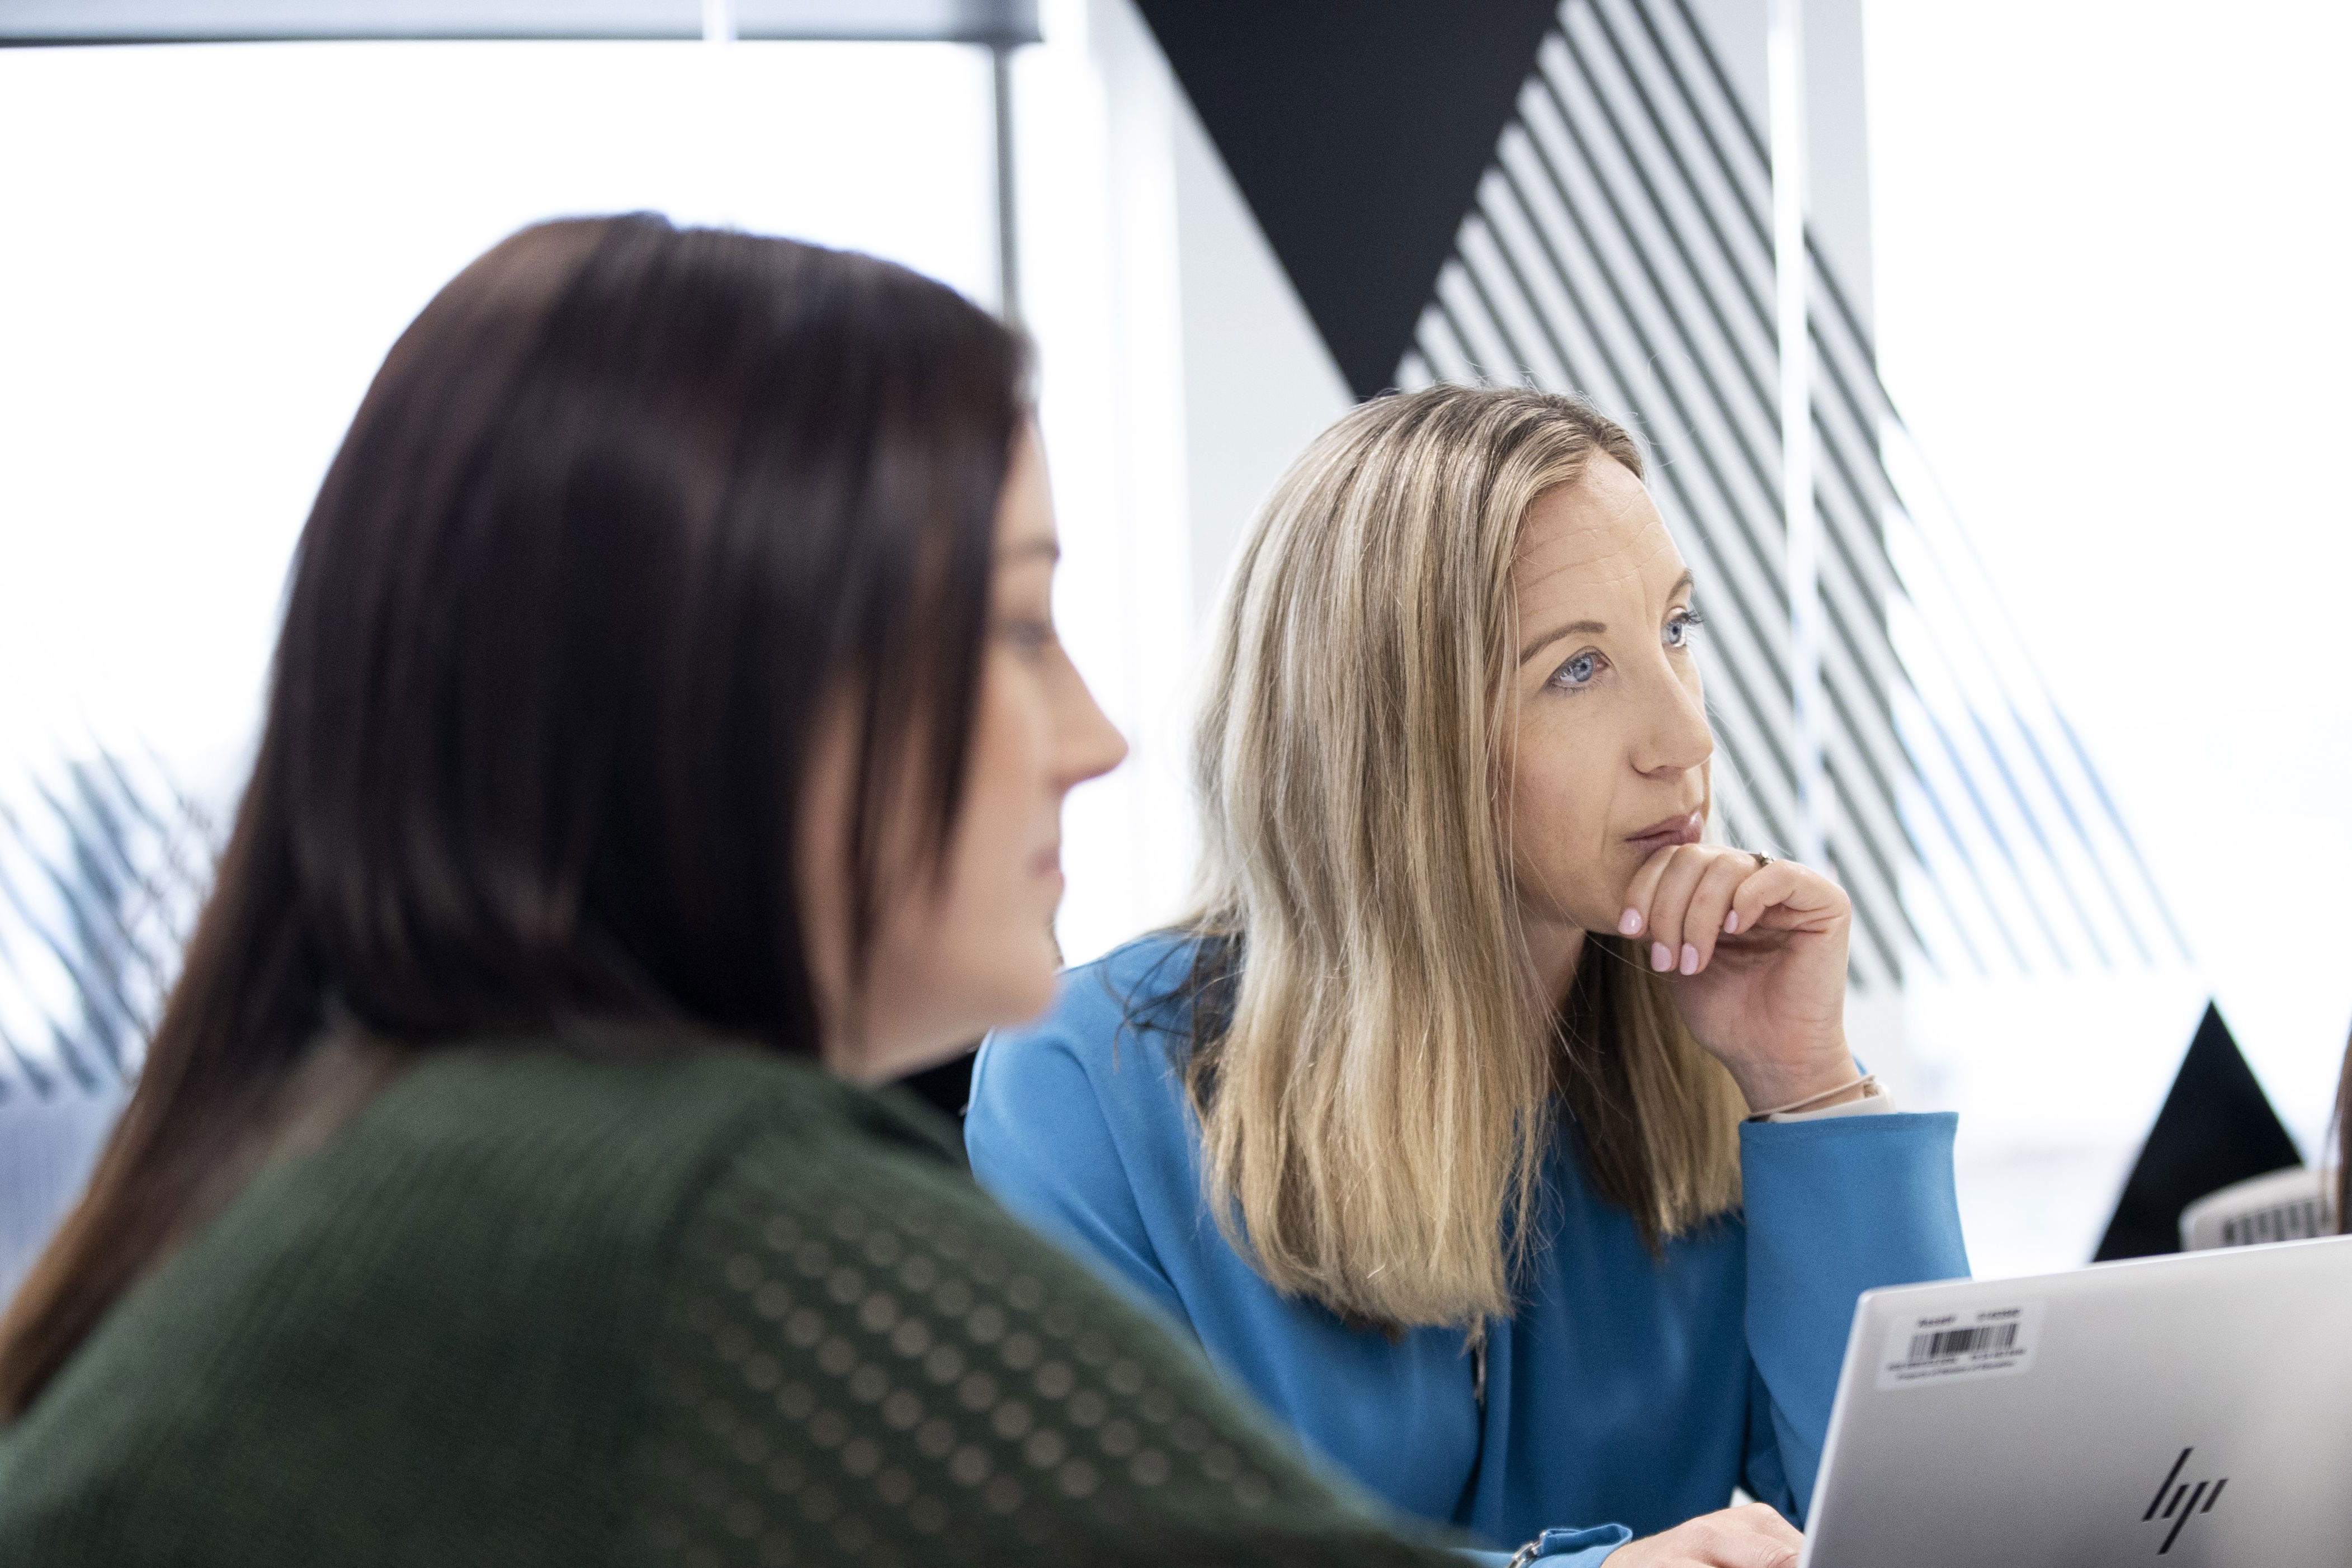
[1578, 672]
[1680, 625]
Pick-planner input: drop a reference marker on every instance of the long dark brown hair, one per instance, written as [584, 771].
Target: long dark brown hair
[629, 513]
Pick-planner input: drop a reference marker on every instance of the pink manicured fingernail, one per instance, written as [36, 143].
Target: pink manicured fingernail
[1630, 922]
[1731, 922]
[1660, 959]
[1690, 959]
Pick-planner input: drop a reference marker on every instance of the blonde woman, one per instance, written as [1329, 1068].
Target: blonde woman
[1495, 1132]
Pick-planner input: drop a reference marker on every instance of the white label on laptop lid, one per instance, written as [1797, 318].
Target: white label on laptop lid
[1929, 1348]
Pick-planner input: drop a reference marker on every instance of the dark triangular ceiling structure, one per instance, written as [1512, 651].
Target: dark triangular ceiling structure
[1357, 131]
[2217, 1127]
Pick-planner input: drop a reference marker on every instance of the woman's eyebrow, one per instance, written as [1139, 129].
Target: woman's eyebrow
[1591, 628]
[1573, 628]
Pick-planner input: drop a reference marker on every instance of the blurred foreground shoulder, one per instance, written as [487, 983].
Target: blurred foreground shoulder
[865, 1358]
[533, 1310]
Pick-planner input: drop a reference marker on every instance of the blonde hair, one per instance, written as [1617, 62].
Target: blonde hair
[1377, 1102]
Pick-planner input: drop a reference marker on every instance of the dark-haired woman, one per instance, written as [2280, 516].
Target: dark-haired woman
[667, 735]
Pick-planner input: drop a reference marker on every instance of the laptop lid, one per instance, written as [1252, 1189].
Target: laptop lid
[2194, 1409]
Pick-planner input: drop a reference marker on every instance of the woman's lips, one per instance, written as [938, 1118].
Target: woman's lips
[1683, 830]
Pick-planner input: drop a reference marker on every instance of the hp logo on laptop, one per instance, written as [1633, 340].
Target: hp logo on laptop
[2176, 1499]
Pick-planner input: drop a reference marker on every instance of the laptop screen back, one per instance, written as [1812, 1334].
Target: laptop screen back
[2191, 1410]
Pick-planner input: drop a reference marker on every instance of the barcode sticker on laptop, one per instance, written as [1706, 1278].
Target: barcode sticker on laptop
[1932, 1348]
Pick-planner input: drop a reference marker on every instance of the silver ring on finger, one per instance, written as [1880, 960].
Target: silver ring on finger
[1762, 859]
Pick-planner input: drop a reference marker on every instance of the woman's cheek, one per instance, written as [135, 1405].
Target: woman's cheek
[1567, 842]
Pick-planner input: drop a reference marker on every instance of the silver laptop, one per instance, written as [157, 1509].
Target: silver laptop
[2193, 1410]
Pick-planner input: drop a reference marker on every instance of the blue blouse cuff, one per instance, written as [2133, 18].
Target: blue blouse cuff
[1564, 1547]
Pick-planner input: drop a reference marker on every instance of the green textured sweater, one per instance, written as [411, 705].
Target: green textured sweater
[528, 1308]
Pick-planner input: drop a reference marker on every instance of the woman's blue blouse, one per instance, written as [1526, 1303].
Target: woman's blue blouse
[1629, 1389]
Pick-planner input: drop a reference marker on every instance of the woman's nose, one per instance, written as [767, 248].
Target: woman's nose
[1091, 744]
[1676, 738]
